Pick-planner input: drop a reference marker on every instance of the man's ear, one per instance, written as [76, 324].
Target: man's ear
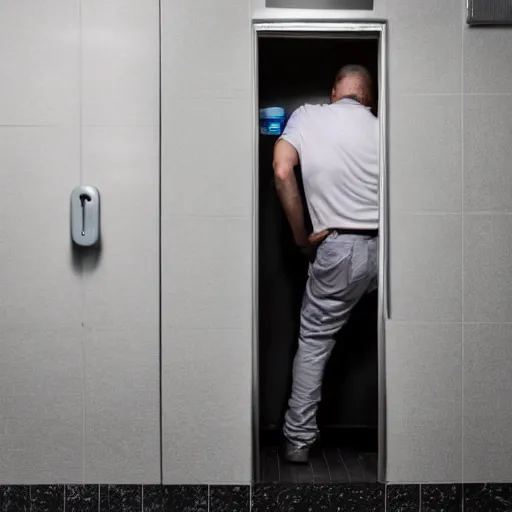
[333, 94]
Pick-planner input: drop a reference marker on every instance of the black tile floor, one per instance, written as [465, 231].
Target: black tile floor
[276, 497]
[327, 465]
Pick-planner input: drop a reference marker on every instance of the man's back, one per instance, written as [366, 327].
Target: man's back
[338, 146]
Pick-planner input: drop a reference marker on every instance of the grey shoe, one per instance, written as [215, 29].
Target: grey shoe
[296, 454]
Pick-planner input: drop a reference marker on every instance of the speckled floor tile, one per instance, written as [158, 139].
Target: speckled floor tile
[229, 498]
[403, 498]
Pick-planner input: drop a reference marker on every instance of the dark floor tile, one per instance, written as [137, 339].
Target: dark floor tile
[487, 497]
[290, 498]
[120, 498]
[14, 498]
[318, 498]
[227, 498]
[369, 465]
[441, 498]
[321, 473]
[152, 498]
[47, 498]
[185, 498]
[337, 468]
[270, 464]
[82, 498]
[350, 459]
[103, 498]
[403, 498]
[295, 473]
[327, 465]
[357, 498]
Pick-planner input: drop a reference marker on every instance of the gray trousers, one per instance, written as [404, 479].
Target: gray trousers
[344, 270]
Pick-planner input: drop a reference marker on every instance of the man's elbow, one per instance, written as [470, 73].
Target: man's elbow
[285, 159]
[282, 170]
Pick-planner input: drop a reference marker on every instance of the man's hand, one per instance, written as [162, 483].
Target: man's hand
[308, 248]
[309, 251]
[317, 238]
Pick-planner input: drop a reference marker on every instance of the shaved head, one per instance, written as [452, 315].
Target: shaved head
[355, 82]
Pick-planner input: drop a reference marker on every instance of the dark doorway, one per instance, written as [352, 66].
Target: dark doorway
[293, 71]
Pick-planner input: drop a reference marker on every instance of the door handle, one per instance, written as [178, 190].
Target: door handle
[85, 215]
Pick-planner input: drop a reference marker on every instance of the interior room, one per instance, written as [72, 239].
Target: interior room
[294, 69]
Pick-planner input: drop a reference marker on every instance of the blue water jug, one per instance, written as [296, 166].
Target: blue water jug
[272, 121]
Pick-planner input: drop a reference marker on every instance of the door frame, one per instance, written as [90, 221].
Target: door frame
[328, 29]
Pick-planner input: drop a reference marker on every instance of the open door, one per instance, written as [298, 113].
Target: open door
[296, 64]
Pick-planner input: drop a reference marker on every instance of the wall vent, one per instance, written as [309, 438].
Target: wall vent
[360, 5]
[490, 12]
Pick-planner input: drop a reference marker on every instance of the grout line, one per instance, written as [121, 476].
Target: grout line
[142, 498]
[250, 497]
[80, 89]
[160, 362]
[361, 466]
[208, 497]
[452, 94]
[346, 469]
[487, 93]
[462, 243]
[99, 497]
[433, 322]
[104, 126]
[82, 289]
[487, 212]
[412, 213]
[420, 504]
[327, 463]
[42, 125]
[64, 497]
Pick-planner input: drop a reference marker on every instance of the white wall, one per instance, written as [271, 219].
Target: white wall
[79, 390]
[449, 350]
[79, 346]
[206, 240]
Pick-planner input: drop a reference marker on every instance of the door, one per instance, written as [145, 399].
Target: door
[79, 330]
[282, 273]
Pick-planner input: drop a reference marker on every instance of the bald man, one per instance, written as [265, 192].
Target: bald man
[337, 146]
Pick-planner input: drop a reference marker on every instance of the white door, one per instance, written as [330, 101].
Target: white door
[79, 335]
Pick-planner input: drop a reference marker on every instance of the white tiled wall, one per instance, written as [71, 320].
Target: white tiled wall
[487, 131]
[449, 185]
[424, 364]
[79, 346]
[450, 106]
[41, 377]
[424, 337]
[206, 241]
[79, 388]
[120, 155]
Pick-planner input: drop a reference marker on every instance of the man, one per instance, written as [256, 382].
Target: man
[337, 146]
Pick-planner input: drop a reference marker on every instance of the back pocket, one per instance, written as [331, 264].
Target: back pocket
[360, 261]
[332, 263]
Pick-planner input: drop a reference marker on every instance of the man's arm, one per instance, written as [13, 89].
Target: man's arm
[285, 159]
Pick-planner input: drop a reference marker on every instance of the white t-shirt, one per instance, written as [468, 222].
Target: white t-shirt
[338, 147]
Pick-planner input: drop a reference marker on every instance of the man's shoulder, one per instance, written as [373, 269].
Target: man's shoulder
[308, 110]
[311, 107]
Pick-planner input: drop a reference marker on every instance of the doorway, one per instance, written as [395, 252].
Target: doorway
[295, 63]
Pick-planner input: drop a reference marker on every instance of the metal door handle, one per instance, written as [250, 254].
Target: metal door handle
[85, 215]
